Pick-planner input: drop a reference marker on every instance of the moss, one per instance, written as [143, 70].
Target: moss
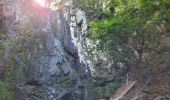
[111, 88]
[1, 47]
[62, 78]
[30, 88]
[17, 60]
[2, 31]
[9, 67]
[6, 91]
[163, 50]
[94, 89]
[63, 81]
[98, 91]
[102, 91]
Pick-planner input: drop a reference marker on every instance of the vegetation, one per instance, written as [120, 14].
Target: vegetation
[123, 29]
[30, 88]
[124, 24]
[17, 63]
[64, 81]
[120, 30]
[6, 91]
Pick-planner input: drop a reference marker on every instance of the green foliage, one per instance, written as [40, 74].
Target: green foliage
[19, 54]
[29, 88]
[106, 89]
[6, 91]
[1, 47]
[13, 72]
[128, 26]
[23, 48]
[63, 81]
[131, 19]
[97, 91]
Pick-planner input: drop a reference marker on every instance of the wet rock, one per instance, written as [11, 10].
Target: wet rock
[57, 93]
[68, 44]
[51, 56]
[65, 68]
[80, 85]
[73, 78]
[53, 92]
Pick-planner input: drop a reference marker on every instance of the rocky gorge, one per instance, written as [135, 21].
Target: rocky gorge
[45, 54]
[42, 59]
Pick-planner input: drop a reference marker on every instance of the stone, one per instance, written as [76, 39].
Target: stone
[80, 85]
[80, 16]
[65, 68]
[159, 98]
[51, 55]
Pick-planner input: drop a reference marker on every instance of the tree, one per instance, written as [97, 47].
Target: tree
[124, 24]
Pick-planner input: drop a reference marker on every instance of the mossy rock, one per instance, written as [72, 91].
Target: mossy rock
[97, 91]
[64, 81]
[6, 91]
[164, 49]
[1, 47]
[29, 88]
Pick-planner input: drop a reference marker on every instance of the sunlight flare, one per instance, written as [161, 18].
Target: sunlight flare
[41, 2]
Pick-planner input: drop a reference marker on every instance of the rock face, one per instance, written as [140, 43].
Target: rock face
[7, 13]
[42, 55]
[7, 16]
[96, 64]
